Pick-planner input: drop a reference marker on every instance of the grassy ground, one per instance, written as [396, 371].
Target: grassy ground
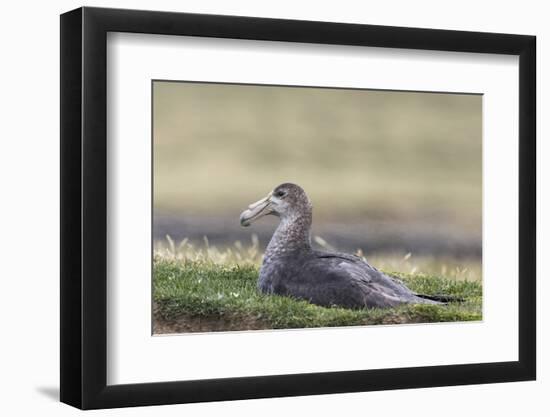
[207, 290]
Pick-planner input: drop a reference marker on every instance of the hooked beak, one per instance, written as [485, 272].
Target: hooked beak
[256, 210]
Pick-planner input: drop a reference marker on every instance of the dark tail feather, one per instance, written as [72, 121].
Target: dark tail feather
[442, 298]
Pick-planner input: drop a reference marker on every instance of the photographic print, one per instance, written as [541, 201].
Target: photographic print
[292, 187]
[279, 207]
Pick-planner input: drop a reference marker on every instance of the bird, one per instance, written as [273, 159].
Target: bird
[292, 267]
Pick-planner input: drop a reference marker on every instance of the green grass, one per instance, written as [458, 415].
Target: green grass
[201, 295]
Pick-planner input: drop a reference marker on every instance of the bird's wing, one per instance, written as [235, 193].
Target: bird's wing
[388, 285]
[366, 266]
[360, 280]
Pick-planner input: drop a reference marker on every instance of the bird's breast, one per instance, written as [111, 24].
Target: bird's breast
[277, 270]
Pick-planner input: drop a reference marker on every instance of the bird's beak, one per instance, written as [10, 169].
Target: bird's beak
[256, 210]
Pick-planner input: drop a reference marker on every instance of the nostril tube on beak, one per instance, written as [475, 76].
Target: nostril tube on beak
[255, 211]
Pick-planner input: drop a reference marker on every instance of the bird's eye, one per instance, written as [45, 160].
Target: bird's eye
[280, 194]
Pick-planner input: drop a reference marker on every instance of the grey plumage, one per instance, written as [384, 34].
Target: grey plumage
[291, 267]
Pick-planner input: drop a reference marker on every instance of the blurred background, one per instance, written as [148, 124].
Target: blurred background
[393, 175]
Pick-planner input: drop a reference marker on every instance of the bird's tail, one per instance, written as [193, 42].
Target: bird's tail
[442, 298]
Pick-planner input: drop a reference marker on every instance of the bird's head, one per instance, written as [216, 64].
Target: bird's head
[286, 201]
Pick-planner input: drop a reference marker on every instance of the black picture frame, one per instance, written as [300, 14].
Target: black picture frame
[84, 207]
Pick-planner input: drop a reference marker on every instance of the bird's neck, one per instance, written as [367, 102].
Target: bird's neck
[292, 235]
